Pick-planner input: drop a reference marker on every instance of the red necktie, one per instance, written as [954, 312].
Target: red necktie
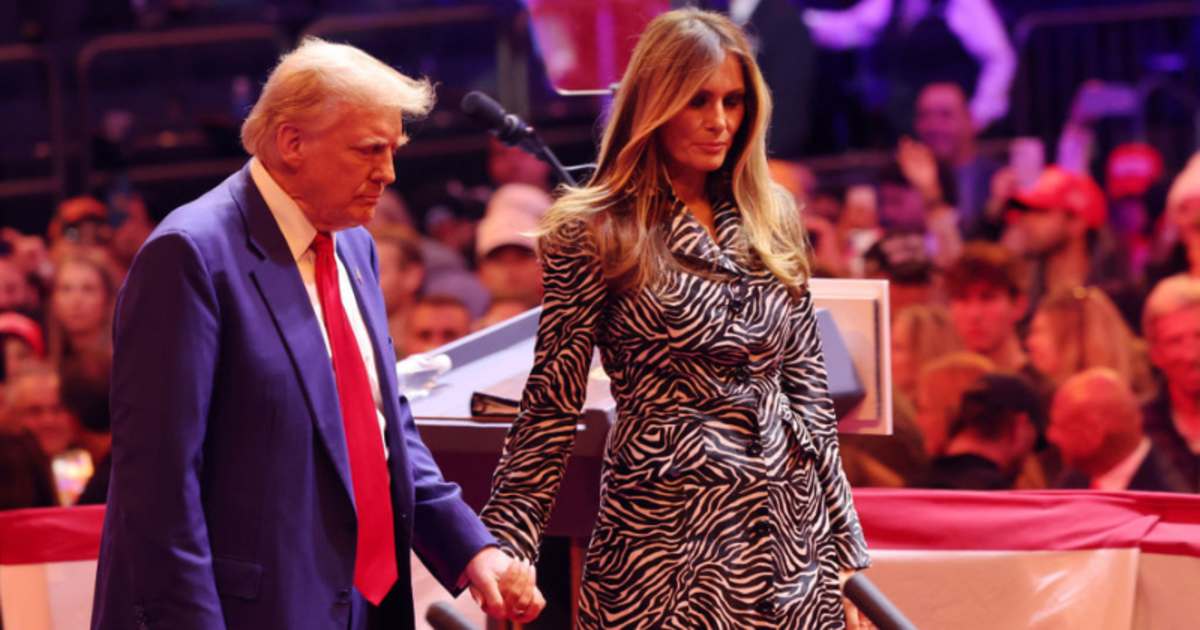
[375, 558]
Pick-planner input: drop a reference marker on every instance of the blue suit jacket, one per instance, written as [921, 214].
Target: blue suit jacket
[231, 503]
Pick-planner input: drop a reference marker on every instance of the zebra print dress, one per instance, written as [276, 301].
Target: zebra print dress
[723, 501]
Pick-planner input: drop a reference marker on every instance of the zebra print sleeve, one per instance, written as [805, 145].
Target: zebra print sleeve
[541, 438]
[807, 387]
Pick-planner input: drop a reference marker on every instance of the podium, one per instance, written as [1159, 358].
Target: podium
[852, 317]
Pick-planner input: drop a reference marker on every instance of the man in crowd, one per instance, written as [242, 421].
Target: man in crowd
[1171, 324]
[265, 471]
[987, 300]
[999, 424]
[435, 320]
[1096, 424]
[943, 123]
[1062, 221]
[504, 245]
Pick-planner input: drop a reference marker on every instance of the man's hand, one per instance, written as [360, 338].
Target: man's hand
[920, 168]
[504, 588]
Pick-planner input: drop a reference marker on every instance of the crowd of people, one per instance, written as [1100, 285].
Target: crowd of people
[1045, 327]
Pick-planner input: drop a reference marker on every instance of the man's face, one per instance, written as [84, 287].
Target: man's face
[1045, 231]
[37, 407]
[943, 121]
[985, 316]
[433, 325]
[1175, 349]
[512, 272]
[343, 164]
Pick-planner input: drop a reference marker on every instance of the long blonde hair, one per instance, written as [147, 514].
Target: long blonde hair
[1089, 332]
[625, 203]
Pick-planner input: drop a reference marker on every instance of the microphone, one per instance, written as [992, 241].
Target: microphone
[508, 127]
[443, 616]
[878, 608]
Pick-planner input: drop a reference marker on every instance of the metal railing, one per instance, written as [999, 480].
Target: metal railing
[178, 40]
[51, 185]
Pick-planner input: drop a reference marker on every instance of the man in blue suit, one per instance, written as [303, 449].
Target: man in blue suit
[266, 474]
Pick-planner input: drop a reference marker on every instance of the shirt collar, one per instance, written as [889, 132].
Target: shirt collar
[297, 230]
[1118, 477]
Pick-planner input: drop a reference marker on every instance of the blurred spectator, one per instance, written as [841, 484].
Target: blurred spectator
[921, 334]
[943, 123]
[1078, 329]
[1096, 424]
[14, 289]
[857, 225]
[514, 165]
[25, 478]
[940, 387]
[917, 195]
[999, 424]
[81, 305]
[800, 181]
[32, 402]
[21, 344]
[81, 220]
[392, 209]
[1131, 170]
[133, 227]
[30, 257]
[987, 300]
[1062, 220]
[451, 218]
[85, 385]
[1178, 247]
[505, 246]
[500, 310]
[401, 273]
[918, 41]
[902, 260]
[1172, 327]
[435, 320]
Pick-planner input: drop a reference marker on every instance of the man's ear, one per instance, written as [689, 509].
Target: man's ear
[290, 145]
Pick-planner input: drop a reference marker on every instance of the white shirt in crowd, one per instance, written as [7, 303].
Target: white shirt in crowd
[974, 22]
[299, 233]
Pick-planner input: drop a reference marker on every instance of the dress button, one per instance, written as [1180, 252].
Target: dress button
[765, 607]
[762, 530]
[742, 374]
[735, 306]
[754, 450]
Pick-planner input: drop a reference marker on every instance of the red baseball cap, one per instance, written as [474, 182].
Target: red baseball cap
[25, 329]
[1059, 189]
[1132, 169]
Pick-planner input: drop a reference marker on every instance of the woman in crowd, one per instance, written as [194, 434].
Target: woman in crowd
[1075, 330]
[81, 304]
[723, 502]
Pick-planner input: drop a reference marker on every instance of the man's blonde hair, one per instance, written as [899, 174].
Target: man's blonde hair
[318, 76]
[1172, 294]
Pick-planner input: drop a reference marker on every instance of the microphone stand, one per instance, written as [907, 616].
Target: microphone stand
[534, 145]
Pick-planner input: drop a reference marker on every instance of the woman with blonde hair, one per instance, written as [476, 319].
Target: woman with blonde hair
[921, 333]
[1078, 329]
[723, 502]
[81, 303]
[940, 389]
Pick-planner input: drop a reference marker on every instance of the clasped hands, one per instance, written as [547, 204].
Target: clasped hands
[503, 587]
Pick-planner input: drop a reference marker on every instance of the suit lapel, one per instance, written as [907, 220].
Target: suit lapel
[278, 281]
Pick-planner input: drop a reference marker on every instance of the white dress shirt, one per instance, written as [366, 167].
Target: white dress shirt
[1118, 477]
[299, 233]
[975, 22]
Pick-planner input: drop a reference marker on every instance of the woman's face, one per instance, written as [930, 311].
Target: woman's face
[1043, 352]
[79, 299]
[698, 138]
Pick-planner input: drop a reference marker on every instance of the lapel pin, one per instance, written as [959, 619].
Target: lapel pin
[357, 276]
